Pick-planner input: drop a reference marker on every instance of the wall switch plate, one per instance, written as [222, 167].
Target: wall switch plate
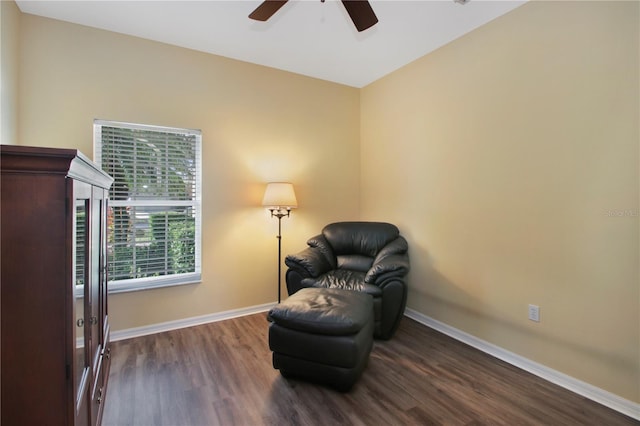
[534, 313]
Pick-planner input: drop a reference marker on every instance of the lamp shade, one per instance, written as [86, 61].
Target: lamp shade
[280, 195]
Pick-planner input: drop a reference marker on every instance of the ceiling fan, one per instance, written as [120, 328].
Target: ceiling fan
[360, 12]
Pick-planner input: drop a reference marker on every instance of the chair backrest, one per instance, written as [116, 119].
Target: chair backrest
[356, 244]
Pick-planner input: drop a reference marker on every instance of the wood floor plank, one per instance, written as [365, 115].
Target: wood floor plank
[221, 374]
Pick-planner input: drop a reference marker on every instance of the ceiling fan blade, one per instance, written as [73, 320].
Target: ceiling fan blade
[361, 13]
[267, 9]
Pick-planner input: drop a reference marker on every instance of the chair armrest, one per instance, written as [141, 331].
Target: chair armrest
[392, 260]
[396, 265]
[313, 261]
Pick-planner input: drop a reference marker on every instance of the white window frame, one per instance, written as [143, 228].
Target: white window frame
[135, 284]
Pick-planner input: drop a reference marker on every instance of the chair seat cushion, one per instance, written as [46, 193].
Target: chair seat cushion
[324, 311]
[343, 279]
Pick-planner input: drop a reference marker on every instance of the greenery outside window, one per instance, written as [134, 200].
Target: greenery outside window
[154, 214]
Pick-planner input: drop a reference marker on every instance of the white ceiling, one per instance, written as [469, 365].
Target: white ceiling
[307, 37]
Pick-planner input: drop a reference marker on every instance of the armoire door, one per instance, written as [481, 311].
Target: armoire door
[103, 289]
[95, 300]
[81, 269]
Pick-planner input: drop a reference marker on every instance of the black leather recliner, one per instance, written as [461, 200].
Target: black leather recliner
[361, 256]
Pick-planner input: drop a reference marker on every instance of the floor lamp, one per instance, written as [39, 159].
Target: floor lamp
[279, 198]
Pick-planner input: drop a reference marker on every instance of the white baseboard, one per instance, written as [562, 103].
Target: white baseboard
[594, 393]
[187, 322]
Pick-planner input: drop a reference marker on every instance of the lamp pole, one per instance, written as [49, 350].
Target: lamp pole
[279, 215]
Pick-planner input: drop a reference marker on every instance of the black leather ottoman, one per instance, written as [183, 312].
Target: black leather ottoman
[322, 335]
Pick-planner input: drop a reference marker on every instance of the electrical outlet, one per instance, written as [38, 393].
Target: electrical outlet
[534, 313]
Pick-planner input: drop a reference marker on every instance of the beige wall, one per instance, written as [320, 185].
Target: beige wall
[258, 125]
[9, 30]
[509, 158]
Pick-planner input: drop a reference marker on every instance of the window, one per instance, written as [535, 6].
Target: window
[154, 203]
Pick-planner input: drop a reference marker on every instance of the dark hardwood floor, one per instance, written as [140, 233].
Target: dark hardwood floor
[221, 374]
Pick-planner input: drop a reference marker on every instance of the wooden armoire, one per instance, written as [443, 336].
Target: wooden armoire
[53, 287]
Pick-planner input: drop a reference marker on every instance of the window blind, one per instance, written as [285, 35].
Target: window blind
[154, 203]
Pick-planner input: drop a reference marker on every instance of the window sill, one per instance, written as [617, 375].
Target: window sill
[126, 286]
